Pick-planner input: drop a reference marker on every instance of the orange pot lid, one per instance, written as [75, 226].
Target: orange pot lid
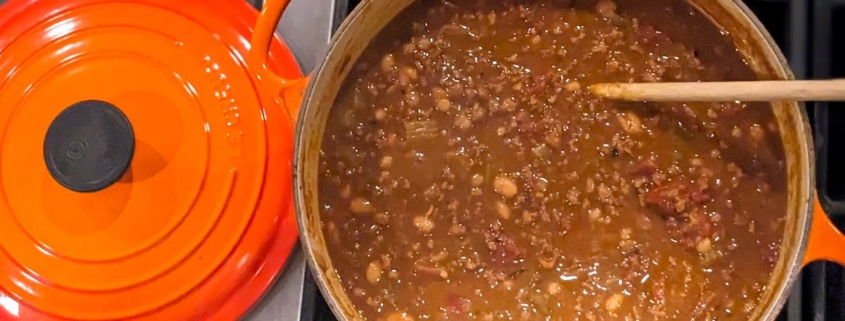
[144, 172]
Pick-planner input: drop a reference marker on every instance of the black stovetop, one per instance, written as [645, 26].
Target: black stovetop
[804, 30]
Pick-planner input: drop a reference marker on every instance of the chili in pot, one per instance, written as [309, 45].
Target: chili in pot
[467, 173]
[451, 165]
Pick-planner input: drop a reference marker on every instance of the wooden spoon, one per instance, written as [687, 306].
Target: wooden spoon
[769, 90]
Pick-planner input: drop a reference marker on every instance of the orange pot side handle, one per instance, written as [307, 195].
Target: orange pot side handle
[290, 91]
[292, 94]
[826, 241]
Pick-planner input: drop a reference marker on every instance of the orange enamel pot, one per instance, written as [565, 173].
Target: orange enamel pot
[145, 159]
[809, 236]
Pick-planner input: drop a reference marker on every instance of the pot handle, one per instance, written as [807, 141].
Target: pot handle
[826, 241]
[290, 91]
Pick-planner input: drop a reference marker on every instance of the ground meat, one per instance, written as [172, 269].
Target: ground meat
[457, 305]
[503, 249]
[643, 169]
[676, 197]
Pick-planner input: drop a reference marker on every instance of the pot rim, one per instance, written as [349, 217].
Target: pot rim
[793, 263]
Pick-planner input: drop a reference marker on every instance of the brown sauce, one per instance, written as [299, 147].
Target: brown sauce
[467, 174]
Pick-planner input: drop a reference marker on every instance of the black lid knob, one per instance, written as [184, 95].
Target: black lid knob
[89, 146]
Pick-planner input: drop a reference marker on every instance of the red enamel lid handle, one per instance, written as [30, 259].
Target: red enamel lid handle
[289, 90]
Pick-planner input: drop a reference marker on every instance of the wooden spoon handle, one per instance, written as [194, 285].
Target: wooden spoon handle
[798, 90]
